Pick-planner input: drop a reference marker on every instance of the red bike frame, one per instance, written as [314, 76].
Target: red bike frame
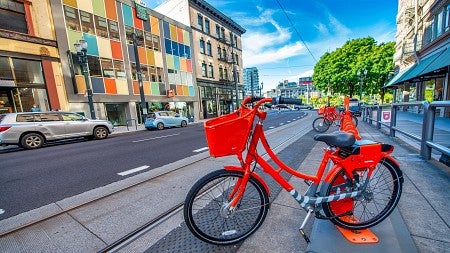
[370, 154]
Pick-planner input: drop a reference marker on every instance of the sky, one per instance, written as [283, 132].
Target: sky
[284, 39]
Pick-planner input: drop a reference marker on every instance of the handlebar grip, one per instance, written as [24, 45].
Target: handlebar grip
[281, 100]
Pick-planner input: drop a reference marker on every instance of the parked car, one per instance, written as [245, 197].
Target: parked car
[31, 130]
[160, 120]
[355, 107]
[306, 107]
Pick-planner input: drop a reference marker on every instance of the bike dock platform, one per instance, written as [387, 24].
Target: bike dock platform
[420, 223]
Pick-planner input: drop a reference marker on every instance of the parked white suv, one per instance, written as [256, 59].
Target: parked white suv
[31, 130]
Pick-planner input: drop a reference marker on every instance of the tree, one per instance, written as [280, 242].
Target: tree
[337, 71]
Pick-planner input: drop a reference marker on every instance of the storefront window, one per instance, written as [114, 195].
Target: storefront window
[5, 69]
[27, 71]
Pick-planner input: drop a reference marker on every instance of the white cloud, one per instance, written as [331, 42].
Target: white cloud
[254, 57]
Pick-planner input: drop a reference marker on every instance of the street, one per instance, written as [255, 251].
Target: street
[34, 178]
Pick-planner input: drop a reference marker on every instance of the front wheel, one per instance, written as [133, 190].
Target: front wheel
[377, 201]
[321, 124]
[100, 133]
[208, 217]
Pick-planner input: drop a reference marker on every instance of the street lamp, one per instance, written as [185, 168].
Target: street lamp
[361, 76]
[81, 47]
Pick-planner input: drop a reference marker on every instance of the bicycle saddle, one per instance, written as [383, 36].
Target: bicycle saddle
[336, 139]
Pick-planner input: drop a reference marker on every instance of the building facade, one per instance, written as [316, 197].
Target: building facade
[122, 37]
[304, 88]
[30, 67]
[422, 57]
[251, 82]
[218, 54]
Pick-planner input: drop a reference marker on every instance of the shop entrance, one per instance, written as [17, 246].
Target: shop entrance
[116, 114]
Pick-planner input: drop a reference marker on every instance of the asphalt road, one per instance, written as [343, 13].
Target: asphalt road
[33, 178]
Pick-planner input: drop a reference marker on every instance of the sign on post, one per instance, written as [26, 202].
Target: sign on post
[386, 116]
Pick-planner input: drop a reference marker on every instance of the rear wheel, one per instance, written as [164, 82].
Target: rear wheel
[208, 217]
[379, 199]
[321, 125]
[32, 141]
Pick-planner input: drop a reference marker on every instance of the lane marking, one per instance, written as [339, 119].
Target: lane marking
[200, 149]
[271, 127]
[154, 138]
[2, 211]
[133, 170]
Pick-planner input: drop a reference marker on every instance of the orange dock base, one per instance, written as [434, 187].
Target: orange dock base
[364, 236]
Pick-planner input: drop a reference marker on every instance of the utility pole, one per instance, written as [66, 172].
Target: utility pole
[139, 75]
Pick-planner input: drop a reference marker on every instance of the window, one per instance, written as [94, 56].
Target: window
[200, 22]
[94, 66]
[439, 21]
[71, 117]
[129, 34]
[204, 69]
[237, 59]
[235, 41]
[113, 30]
[231, 39]
[160, 74]
[222, 33]
[208, 48]
[49, 117]
[219, 52]
[12, 10]
[447, 17]
[207, 28]
[210, 71]
[220, 73]
[107, 68]
[224, 54]
[152, 73]
[217, 31]
[133, 71]
[139, 37]
[87, 23]
[225, 74]
[72, 18]
[5, 69]
[202, 46]
[119, 69]
[28, 71]
[156, 42]
[148, 40]
[25, 118]
[144, 71]
[101, 27]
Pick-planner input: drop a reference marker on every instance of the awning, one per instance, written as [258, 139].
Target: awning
[425, 65]
[399, 76]
[429, 64]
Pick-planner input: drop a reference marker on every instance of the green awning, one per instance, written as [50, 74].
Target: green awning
[425, 65]
[442, 61]
[399, 76]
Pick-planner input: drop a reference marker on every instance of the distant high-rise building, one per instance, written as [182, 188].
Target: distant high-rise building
[251, 82]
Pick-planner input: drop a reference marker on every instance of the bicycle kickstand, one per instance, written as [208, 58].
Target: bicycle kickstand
[302, 232]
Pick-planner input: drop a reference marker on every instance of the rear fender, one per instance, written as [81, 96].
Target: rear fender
[254, 175]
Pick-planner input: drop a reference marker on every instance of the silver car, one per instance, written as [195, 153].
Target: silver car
[31, 130]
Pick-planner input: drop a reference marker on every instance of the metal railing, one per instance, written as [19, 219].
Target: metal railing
[131, 121]
[428, 123]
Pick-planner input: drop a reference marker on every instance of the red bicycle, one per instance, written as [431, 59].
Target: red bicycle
[329, 116]
[226, 206]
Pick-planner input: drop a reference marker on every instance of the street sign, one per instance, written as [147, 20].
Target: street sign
[386, 116]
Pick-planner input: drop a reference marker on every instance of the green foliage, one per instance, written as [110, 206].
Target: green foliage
[337, 71]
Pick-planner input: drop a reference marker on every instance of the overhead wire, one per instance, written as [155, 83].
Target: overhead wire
[296, 31]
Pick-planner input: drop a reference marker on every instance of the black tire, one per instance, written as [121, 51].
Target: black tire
[321, 125]
[32, 141]
[208, 219]
[160, 126]
[183, 123]
[100, 133]
[377, 202]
